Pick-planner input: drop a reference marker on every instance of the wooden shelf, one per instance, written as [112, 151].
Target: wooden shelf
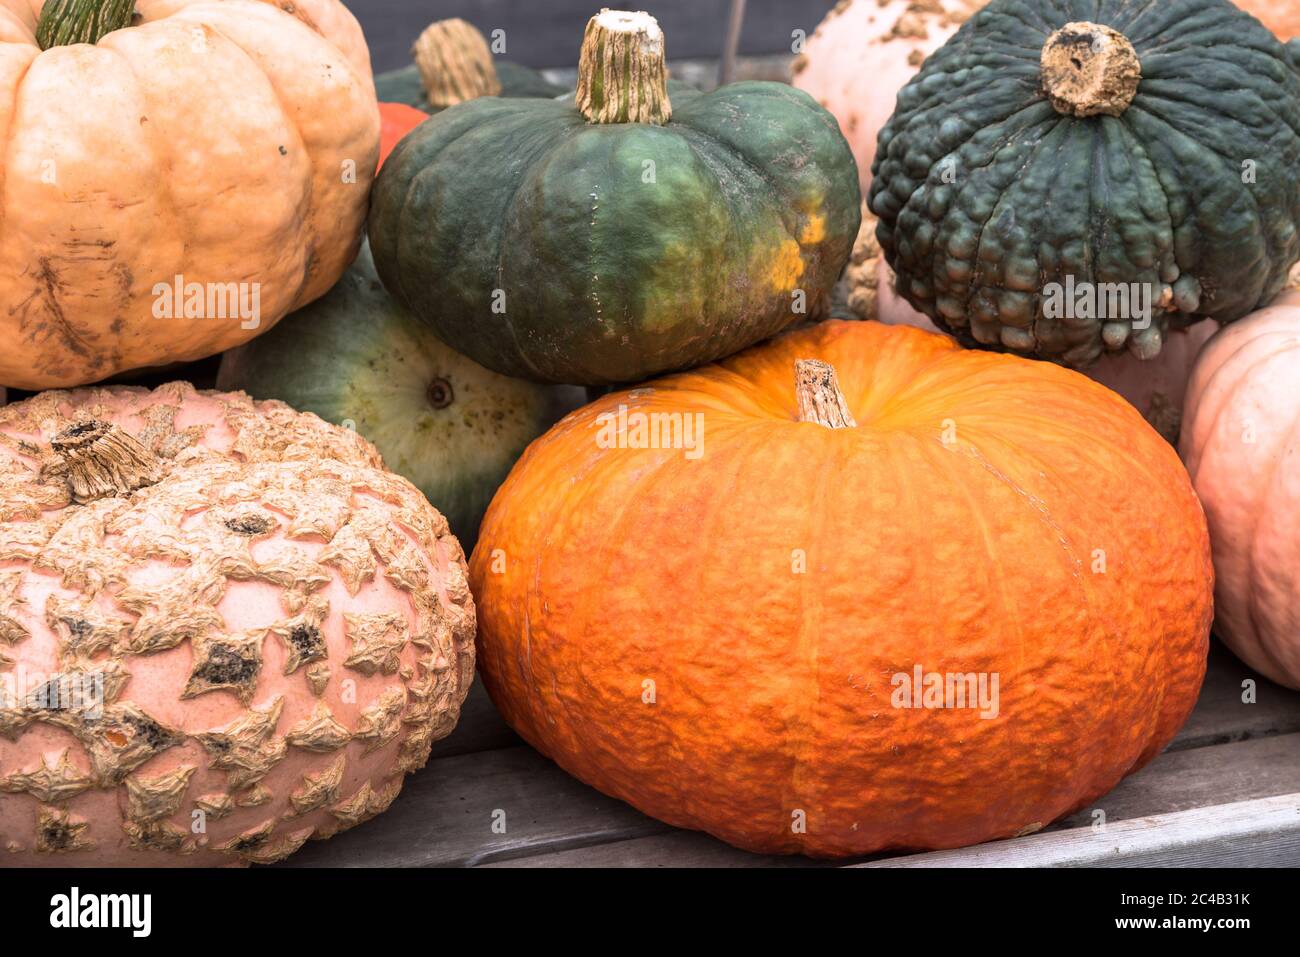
[1225, 792]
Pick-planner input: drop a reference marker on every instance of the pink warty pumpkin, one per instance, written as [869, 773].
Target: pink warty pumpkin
[224, 629]
[864, 52]
[1241, 444]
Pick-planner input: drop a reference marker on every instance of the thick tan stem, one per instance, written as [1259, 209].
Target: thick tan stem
[1089, 69]
[97, 460]
[820, 400]
[621, 73]
[455, 63]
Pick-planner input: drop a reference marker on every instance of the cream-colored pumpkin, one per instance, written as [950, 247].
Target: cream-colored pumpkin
[864, 52]
[1241, 444]
[230, 143]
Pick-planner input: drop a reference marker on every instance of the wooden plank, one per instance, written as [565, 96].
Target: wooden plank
[446, 812]
[1201, 777]
[480, 727]
[1262, 832]
[1221, 716]
[444, 815]
[674, 849]
[1174, 783]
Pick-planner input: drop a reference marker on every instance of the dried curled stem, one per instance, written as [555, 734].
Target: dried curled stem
[820, 400]
[622, 77]
[98, 460]
[1089, 69]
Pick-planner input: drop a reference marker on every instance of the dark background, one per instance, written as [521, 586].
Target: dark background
[548, 33]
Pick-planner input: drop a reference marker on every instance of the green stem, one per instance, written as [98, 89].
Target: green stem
[64, 22]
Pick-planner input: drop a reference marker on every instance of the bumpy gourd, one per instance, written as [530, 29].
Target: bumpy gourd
[229, 144]
[441, 420]
[714, 629]
[1114, 142]
[224, 629]
[621, 234]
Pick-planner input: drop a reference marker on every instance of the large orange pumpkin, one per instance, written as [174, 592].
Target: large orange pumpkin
[722, 633]
[219, 150]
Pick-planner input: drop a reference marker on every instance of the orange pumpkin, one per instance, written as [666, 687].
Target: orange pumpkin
[395, 121]
[175, 184]
[726, 634]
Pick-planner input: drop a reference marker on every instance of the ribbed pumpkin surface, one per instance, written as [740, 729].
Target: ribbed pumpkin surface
[986, 515]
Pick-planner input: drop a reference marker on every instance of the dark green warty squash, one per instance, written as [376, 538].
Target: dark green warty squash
[1105, 141]
[355, 357]
[621, 234]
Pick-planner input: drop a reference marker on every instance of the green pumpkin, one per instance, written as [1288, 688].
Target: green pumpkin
[404, 85]
[1149, 149]
[559, 249]
[354, 357]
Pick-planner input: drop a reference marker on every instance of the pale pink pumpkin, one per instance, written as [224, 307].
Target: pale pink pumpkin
[281, 627]
[863, 53]
[1241, 444]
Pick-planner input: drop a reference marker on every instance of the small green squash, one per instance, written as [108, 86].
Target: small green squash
[621, 234]
[1153, 146]
[358, 359]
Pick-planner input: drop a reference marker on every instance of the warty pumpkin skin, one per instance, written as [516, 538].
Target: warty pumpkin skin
[606, 251]
[715, 638]
[281, 627]
[990, 185]
[1241, 442]
[222, 142]
[441, 420]
[1155, 387]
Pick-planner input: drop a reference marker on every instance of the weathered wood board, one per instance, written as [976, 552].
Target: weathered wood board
[1219, 794]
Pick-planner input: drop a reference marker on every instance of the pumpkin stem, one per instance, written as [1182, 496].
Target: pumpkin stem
[455, 63]
[1088, 68]
[820, 400]
[97, 459]
[65, 22]
[621, 73]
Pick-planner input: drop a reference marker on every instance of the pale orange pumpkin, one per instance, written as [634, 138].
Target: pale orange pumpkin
[719, 632]
[231, 144]
[1241, 442]
[1280, 16]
